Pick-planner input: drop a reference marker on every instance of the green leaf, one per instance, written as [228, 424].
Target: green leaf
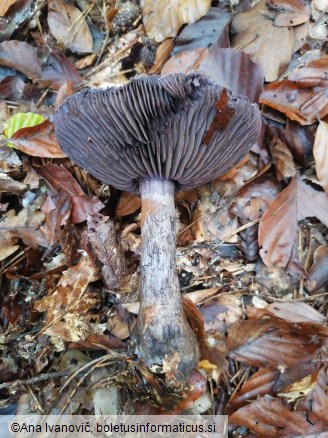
[19, 121]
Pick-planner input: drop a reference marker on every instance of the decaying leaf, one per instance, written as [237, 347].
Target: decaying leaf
[271, 417]
[277, 338]
[261, 383]
[128, 203]
[270, 46]
[66, 306]
[59, 71]
[282, 159]
[209, 30]
[303, 96]
[164, 19]
[289, 12]
[278, 225]
[62, 180]
[318, 273]
[5, 5]
[22, 57]
[68, 26]
[38, 141]
[25, 225]
[320, 153]
[103, 239]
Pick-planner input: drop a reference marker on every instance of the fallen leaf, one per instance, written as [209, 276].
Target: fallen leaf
[320, 153]
[279, 224]
[106, 246]
[68, 26]
[271, 417]
[10, 185]
[299, 389]
[270, 46]
[234, 69]
[38, 141]
[16, 17]
[162, 55]
[85, 62]
[22, 57]
[5, 5]
[164, 19]
[210, 30]
[7, 251]
[26, 225]
[184, 62]
[318, 273]
[289, 12]
[61, 179]
[299, 139]
[59, 71]
[295, 312]
[262, 343]
[12, 88]
[318, 398]
[71, 299]
[303, 96]
[128, 203]
[282, 159]
[260, 383]
[21, 120]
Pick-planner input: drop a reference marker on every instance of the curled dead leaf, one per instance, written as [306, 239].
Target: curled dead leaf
[164, 19]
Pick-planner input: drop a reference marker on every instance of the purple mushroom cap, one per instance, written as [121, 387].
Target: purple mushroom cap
[179, 127]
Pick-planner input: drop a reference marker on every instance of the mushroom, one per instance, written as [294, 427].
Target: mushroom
[155, 135]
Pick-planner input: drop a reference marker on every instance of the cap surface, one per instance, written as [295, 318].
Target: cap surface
[183, 128]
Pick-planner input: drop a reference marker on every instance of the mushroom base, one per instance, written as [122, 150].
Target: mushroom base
[162, 333]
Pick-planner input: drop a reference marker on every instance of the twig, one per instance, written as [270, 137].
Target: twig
[33, 380]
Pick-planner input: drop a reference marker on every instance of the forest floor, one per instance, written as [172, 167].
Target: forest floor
[252, 246]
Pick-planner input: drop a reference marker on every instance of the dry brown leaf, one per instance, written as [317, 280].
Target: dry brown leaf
[319, 398]
[270, 46]
[5, 5]
[260, 383]
[282, 159]
[59, 71]
[279, 224]
[303, 96]
[68, 26]
[262, 343]
[128, 203]
[289, 12]
[320, 153]
[269, 417]
[25, 225]
[164, 19]
[62, 180]
[22, 57]
[106, 246]
[70, 301]
[38, 141]
[6, 251]
[318, 273]
[10, 185]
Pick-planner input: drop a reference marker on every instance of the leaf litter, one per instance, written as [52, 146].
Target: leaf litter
[252, 246]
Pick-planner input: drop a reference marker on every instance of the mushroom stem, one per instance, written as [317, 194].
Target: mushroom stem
[162, 333]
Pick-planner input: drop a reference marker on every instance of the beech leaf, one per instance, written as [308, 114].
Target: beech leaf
[22, 57]
[68, 26]
[278, 225]
[320, 153]
[164, 19]
[5, 5]
[38, 141]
